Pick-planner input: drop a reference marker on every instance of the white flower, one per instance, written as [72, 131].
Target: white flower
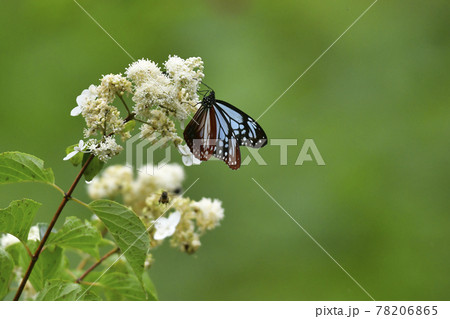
[83, 99]
[112, 84]
[143, 70]
[8, 240]
[114, 180]
[80, 148]
[165, 227]
[106, 149]
[187, 157]
[210, 213]
[34, 233]
[169, 177]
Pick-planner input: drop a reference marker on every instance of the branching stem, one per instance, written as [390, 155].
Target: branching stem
[115, 250]
[35, 256]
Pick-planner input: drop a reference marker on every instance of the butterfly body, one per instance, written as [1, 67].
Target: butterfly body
[218, 129]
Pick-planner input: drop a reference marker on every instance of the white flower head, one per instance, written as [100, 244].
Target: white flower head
[106, 149]
[87, 95]
[8, 240]
[143, 70]
[210, 213]
[165, 227]
[34, 233]
[112, 85]
[114, 180]
[77, 149]
[187, 157]
[169, 177]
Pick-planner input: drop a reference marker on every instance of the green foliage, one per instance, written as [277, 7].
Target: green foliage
[49, 265]
[94, 167]
[52, 277]
[59, 290]
[129, 126]
[120, 286]
[149, 287]
[17, 218]
[127, 230]
[16, 167]
[6, 269]
[78, 158]
[77, 234]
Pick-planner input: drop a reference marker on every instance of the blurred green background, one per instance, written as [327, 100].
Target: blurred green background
[376, 105]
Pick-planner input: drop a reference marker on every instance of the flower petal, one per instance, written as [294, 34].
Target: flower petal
[174, 219]
[70, 155]
[184, 150]
[195, 160]
[76, 111]
[187, 160]
[160, 234]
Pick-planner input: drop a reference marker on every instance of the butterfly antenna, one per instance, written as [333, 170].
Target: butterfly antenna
[207, 86]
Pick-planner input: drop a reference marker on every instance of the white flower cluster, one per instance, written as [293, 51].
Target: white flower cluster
[160, 97]
[8, 239]
[209, 213]
[95, 104]
[118, 180]
[182, 219]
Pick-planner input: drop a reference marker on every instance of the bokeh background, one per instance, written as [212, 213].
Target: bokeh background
[376, 105]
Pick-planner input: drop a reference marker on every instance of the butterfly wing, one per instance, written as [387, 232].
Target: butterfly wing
[201, 132]
[245, 129]
[218, 128]
[227, 145]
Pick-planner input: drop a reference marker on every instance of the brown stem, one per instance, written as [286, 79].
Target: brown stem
[28, 250]
[38, 251]
[115, 250]
[125, 104]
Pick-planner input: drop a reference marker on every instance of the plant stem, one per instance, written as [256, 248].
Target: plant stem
[125, 104]
[38, 251]
[79, 202]
[115, 250]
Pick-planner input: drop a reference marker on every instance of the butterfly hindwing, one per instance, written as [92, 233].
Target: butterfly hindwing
[199, 133]
[227, 145]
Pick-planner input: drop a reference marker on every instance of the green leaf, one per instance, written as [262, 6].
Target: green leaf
[6, 269]
[119, 286]
[17, 218]
[16, 167]
[94, 167]
[59, 290]
[18, 253]
[77, 234]
[127, 230]
[49, 265]
[129, 126]
[149, 287]
[78, 158]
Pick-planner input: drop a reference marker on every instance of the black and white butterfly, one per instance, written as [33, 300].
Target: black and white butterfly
[218, 129]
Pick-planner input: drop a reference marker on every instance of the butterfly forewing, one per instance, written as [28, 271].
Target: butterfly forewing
[245, 129]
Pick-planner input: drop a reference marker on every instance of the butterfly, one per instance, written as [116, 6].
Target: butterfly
[218, 129]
